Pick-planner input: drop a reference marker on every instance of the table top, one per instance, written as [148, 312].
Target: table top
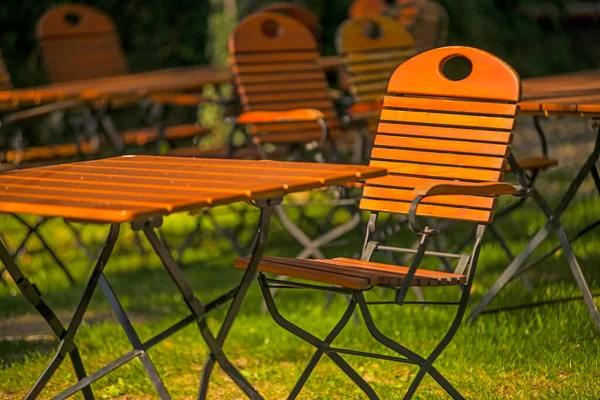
[138, 84]
[126, 188]
[576, 94]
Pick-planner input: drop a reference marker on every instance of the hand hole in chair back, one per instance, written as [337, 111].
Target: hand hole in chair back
[271, 29]
[372, 29]
[72, 18]
[456, 67]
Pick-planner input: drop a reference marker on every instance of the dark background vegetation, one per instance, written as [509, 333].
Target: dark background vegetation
[166, 33]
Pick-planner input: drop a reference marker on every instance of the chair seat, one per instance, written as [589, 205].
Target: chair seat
[536, 163]
[144, 136]
[350, 273]
[250, 152]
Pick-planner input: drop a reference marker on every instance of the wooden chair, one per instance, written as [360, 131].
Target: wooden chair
[80, 42]
[372, 47]
[445, 144]
[285, 104]
[425, 20]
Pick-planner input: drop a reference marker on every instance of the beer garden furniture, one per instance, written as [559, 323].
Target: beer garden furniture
[140, 190]
[571, 95]
[445, 145]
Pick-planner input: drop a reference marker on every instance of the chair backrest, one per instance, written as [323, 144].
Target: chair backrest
[372, 48]
[5, 81]
[426, 20]
[275, 66]
[79, 42]
[437, 130]
[361, 8]
[300, 14]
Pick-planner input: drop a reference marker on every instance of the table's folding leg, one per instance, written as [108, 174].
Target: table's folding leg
[66, 340]
[553, 224]
[198, 310]
[133, 337]
[256, 252]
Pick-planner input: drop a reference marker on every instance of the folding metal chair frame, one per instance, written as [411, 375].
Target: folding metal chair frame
[466, 262]
[519, 264]
[198, 312]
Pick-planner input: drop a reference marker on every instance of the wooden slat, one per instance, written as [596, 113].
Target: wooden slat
[427, 210]
[442, 145]
[310, 95]
[448, 119]
[331, 278]
[281, 87]
[374, 192]
[262, 68]
[276, 77]
[478, 135]
[380, 153]
[461, 106]
[362, 68]
[322, 105]
[274, 57]
[372, 56]
[437, 171]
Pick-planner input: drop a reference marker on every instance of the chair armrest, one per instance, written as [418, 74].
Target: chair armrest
[360, 111]
[269, 117]
[40, 111]
[178, 99]
[470, 189]
[459, 188]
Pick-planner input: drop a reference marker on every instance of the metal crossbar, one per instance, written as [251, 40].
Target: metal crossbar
[553, 224]
[198, 312]
[324, 346]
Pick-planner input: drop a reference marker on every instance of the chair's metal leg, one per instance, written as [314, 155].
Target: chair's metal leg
[322, 345]
[508, 273]
[256, 252]
[425, 364]
[296, 232]
[588, 298]
[111, 132]
[133, 337]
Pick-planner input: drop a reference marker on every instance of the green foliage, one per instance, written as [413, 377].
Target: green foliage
[154, 33]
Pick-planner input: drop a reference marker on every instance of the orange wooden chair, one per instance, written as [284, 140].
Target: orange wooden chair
[286, 106]
[445, 144]
[372, 47]
[80, 42]
[425, 20]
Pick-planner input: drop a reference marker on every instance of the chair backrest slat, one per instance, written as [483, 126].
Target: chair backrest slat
[372, 48]
[5, 81]
[79, 42]
[274, 60]
[437, 130]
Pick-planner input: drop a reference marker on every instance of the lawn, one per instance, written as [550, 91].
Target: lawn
[545, 352]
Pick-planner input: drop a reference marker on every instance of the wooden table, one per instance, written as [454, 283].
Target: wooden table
[140, 190]
[140, 84]
[576, 95]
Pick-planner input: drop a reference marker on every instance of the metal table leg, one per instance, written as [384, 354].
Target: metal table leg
[553, 224]
[256, 252]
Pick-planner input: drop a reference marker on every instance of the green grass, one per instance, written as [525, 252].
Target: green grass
[548, 352]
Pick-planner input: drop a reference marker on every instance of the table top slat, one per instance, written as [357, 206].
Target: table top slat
[125, 188]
